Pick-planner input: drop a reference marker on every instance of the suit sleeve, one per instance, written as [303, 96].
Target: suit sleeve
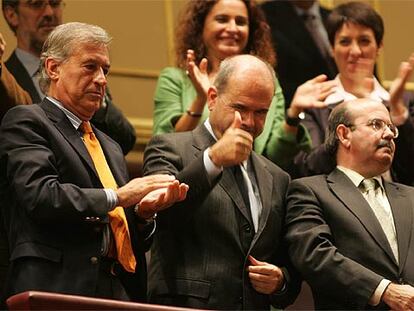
[164, 156]
[317, 160]
[36, 176]
[313, 252]
[402, 167]
[112, 122]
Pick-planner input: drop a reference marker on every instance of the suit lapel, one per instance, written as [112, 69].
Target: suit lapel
[202, 140]
[403, 215]
[265, 184]
[352, 198]
[64, 126]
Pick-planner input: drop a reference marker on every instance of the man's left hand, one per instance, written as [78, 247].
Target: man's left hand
[160, 199]
[265, 278]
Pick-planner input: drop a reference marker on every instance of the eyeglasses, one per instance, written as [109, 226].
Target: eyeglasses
[379, 125]
[40, 5]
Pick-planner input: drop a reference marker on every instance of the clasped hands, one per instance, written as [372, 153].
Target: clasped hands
[153, 193]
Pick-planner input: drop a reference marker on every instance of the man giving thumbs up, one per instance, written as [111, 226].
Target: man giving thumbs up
[221, 248]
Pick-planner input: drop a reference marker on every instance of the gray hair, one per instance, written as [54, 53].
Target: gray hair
[62, 42]
[228, 67]
[341, 114]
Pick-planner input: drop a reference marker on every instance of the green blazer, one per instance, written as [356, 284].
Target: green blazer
[175, 93]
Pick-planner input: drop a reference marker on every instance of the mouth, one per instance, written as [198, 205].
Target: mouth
[95, 95]
[386, 145]
[230, 40]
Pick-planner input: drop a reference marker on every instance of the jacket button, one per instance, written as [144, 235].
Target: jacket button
[247, 228]
[94, 260]
[401, 280]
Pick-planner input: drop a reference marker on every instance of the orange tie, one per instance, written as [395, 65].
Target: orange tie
[117, 217]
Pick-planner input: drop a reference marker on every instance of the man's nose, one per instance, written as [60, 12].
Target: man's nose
[100, 77]
[48, 10]
[388, 134]
[248, 119]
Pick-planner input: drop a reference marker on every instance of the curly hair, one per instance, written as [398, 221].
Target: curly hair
[190, 28]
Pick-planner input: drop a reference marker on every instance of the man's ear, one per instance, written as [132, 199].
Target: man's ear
[344, 134]
[52, 68]
[211, 97]
[11, 16]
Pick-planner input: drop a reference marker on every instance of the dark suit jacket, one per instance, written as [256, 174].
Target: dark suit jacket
[109, 120]
[52, 190]
[338, 245]
[298, 57]
[318, 161]
[199, 255]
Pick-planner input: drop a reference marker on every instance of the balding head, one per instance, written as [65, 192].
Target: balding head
[242, 66]
[244, 83]
[361, 134]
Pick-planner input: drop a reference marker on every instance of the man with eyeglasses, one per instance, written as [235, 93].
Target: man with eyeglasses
[32, 21]
[351, 233]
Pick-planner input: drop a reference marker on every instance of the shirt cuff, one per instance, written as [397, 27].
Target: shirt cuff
[212, 170]
[111, 198]
[376, 296]
[400, 119]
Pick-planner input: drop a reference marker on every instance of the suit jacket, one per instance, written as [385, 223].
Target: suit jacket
[338, 245]
[199, 255]
[319, 161]
[109, 119]
[56, 209]
[298, 57]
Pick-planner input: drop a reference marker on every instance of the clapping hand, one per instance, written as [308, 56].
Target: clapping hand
[198, 74]
[311, 94]
[2, 46]
[160, 199]
[397, 87]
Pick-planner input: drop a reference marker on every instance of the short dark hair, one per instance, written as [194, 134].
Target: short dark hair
[341, 114]
[190, 28]
[359, 13]
[13, 4]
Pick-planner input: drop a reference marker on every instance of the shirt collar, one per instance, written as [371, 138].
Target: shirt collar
[74, 120]
[29, 61]
[357, 178]
[340, 95]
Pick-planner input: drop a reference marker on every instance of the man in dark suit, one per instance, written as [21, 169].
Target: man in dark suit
[222, 248]
[63, 186]
[351, 233]
[31, 22]
[299, 57]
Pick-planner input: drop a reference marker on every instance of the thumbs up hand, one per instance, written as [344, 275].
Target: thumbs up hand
[234, 146]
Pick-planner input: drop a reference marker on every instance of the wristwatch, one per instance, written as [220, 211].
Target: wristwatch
[143, 220]
[294, 121]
